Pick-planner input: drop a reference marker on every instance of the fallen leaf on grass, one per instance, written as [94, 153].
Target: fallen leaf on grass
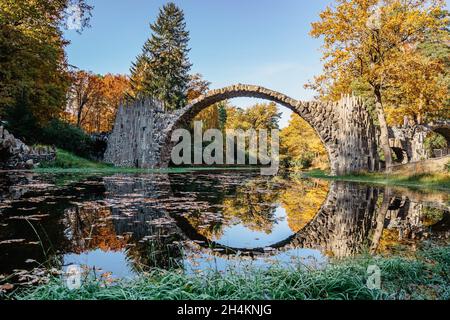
[6, 287]
[30, 261]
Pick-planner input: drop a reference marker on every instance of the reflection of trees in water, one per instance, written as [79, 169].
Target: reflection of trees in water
[252, 203]
[134, 215]
[410, 220]
[344, 223]
[302, 199]
[34, 214]
[356, 218]
[253, 206]
[140, 212]
[340, 219]
[230, 199]
[89, 227]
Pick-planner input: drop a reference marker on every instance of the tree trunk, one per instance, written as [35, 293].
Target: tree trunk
[384, 134]
[381, 215]
[79, 119]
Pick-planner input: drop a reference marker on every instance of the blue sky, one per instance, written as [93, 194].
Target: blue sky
[262, 42]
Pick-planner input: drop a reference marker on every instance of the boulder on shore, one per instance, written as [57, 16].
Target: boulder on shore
[14, 154]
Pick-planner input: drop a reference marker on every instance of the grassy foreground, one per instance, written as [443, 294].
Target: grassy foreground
[426, 276]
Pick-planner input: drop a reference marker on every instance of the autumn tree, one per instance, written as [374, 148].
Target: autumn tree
[258, 116]
[418, 90]
[162, 69]
[363, 42]
[115, 89]
[94, 99]
[300, 145]
[85, 93]
[197, 86]
[32, 58]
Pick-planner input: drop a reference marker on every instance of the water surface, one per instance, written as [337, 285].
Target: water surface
[124, 224]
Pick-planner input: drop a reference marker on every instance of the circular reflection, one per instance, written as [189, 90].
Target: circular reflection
[127, 223]
[254, 213]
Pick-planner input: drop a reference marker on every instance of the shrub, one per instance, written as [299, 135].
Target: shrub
[68, 137]
[435, 141]
[22, 123]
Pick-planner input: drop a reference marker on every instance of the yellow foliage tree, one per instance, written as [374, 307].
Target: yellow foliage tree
[365, 39]
[259, 116]
[418, 91]
[300, 146]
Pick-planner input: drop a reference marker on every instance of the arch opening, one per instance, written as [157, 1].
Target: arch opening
[400, 155]
[304, 111]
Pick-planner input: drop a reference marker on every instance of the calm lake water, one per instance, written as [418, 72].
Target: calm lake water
[124, 224]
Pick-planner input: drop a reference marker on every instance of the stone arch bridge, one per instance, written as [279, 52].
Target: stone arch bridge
[142, 131]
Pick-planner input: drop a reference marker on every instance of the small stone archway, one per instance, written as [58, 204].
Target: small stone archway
[409, 141]
[401, 155]
[142, 131]
[442, 129]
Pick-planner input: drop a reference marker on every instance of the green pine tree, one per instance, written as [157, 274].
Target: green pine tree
[222, 115]
[162, 69]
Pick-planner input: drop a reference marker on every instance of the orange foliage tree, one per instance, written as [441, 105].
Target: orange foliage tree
[364, 41]
[94, 99]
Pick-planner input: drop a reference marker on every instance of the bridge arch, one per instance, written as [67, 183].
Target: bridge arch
[304, 110]
[324, 118]
[442, 129]
[142, 131]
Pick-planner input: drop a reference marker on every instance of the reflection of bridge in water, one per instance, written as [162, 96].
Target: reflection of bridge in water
[144, 216]
[351, 219]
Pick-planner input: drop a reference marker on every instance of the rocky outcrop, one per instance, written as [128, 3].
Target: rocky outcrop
[408, 142]
[138, 135]
[14, 154]
[142, 132]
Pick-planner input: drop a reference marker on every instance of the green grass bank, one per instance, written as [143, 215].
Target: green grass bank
[424, 276]
[68, 162]
[430, 181]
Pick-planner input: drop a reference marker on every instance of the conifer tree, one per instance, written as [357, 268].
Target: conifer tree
[162, 69]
